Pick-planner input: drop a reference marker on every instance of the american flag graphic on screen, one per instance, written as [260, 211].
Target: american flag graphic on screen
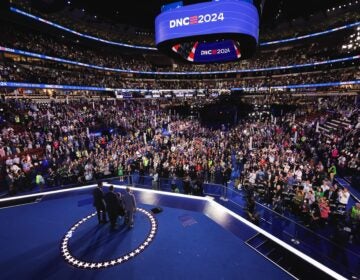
[194, 20]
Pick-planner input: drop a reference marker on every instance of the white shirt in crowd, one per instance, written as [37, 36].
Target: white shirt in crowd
[344, 197]
[271, 159]
[16, 160]
[9, 161]
[14, 168]
[286, 168]
[307, 186]
[252, 177]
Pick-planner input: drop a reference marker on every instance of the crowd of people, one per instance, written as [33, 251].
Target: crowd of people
[16, 72]
[71, 151]
[287, 162]
[21, 69]
[281, 160]
[103, 28]
[18, 37]
[54, 125]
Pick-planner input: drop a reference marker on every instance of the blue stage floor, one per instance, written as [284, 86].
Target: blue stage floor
[187, 244]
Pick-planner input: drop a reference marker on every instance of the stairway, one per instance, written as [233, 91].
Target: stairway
[288, 261]
[333, 126]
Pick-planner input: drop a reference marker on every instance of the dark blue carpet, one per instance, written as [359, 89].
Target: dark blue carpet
[92, 242]
[30, 238]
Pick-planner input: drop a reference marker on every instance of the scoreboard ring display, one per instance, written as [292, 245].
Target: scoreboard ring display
[217, 31]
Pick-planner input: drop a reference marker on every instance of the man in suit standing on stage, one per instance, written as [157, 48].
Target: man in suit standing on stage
[112, 206]
[99, 203]
[130, 207]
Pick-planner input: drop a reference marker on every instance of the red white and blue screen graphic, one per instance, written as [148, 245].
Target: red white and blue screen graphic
[226, 50]
[217, 17]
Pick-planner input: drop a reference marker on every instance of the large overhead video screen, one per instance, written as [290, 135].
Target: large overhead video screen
[177, 30]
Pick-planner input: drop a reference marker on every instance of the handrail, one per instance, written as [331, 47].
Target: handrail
[309, 246]
[299, 225]
[228, 189]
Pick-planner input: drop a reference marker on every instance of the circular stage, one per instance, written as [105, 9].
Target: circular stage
[89, 245]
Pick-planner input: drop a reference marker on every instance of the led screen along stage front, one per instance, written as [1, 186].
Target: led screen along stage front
[224, 30]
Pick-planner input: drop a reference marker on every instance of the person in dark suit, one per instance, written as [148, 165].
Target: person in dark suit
[332, 193]
[251, 212]
[112, 206]
[121, 209]
[187, 187]
[130, 207]
[99, 203]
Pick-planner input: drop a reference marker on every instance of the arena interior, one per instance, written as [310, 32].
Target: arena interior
[235, 139]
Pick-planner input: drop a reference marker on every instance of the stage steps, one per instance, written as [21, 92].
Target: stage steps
[288, 261]
[333, 126]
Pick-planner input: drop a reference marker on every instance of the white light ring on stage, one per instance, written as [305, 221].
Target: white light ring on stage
[70, 259]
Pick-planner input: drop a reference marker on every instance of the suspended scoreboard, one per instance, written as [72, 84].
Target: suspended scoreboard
[216, 31]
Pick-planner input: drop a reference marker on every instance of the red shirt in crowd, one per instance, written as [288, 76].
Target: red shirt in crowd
[335, 153]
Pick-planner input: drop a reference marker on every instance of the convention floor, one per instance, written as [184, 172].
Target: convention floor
[184, 244]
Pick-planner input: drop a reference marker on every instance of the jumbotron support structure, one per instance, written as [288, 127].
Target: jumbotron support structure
[216, 31]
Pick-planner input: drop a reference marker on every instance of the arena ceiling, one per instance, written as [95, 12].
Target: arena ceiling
[141, 13]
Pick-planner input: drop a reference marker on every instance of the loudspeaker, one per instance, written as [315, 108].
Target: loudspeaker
[156, 210]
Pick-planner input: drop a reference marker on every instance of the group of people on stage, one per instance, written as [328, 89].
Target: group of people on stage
[114, 204]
